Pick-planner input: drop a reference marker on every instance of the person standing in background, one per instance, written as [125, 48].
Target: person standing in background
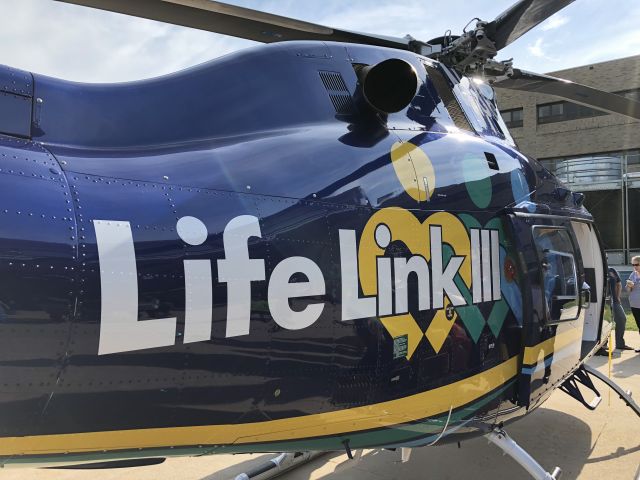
[617, 312]
[633, 287]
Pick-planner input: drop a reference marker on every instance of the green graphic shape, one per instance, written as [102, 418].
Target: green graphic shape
[497, 316]
[477, 179]
[470, 314]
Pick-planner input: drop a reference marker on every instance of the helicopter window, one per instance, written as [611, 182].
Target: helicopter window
[513, 118]
[559, 275]
[448, 99]
[481, 112]
[469, 99]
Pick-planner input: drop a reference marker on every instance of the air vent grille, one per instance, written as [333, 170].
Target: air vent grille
[338, 92]
[333, 81]
[342, 103]
[492, 161]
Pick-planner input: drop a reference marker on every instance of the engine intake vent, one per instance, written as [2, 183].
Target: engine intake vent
[388, 86]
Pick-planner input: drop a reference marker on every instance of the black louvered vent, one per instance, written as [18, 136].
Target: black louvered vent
[338, 92]
[492, 161]
[448, 98]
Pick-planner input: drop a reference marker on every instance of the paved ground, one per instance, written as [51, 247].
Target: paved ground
[604, 444]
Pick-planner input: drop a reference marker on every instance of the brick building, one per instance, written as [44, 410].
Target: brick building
[592, 151]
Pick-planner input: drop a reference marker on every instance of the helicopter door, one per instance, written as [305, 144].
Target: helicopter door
[554, 316]
[594, 276]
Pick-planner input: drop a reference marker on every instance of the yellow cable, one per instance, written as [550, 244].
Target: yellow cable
[610, 351]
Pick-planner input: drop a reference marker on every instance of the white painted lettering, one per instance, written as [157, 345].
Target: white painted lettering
[385, 288]
[476, 268]
[402, 268]
[237, 270]
[486, 265]
[120, 330]
[353, 307]
[443, 280]
[495, 264]
[198, 291]
[280, 290]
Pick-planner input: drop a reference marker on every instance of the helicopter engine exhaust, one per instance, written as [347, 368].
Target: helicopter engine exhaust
[388, 86]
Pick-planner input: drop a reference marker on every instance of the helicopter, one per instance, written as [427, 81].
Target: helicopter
[328, 242]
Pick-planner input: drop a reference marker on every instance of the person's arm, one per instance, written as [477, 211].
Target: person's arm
[630, 284]
[618, 290]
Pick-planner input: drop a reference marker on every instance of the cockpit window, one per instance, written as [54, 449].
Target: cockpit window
[481, 110]
[449, 100]
[559, 275]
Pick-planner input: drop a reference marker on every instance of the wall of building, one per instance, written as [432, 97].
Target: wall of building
[612, 197]
[586, 136]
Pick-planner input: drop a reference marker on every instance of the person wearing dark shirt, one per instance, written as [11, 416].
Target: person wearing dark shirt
[617, 312]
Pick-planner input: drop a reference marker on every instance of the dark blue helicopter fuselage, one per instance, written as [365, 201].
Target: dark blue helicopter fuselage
[271, 152]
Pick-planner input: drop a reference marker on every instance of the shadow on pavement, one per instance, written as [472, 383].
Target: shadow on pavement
[626, 365]
[551, 437]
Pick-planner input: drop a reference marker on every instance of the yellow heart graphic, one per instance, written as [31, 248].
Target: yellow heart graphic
[406, 228]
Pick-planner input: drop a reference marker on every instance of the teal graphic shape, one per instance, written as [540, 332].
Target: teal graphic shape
[519, 186]
[477, 179]
[470, 315]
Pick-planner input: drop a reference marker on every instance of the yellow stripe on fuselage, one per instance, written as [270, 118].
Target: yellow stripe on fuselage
[386, 414]
[537, 353]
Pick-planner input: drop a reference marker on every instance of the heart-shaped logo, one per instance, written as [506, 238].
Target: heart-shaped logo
[401, 228]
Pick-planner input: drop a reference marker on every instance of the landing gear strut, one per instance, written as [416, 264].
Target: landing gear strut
[499, 437]
[624, 395]
[278, 465]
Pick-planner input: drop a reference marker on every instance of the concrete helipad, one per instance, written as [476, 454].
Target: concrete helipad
[604, 444]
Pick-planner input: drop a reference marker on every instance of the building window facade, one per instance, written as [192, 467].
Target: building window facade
[633, 94]
[563, 111]
[512, 118]
[611, 183]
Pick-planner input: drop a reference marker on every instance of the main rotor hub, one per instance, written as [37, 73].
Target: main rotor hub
[468, 52]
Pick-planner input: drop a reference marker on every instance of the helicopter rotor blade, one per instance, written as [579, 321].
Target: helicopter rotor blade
[236, 21]
[574, 92]
[520, 18]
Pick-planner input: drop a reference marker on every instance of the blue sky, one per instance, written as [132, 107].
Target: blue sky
[84, 44]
